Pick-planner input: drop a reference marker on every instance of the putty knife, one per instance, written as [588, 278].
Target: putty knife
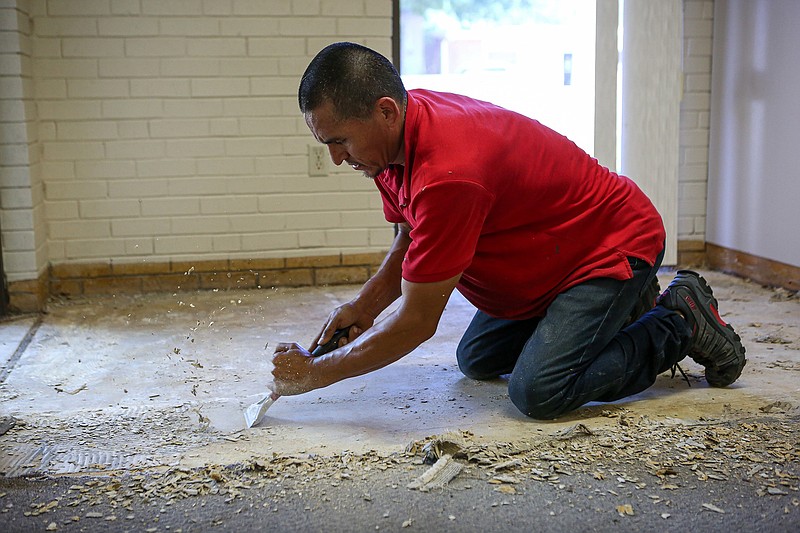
[254, 413]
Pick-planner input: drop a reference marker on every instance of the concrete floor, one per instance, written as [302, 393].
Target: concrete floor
[163, 379]
[126, 406]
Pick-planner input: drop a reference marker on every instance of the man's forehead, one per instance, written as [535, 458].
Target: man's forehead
[322, 124]
[326, 125]
[326, 109]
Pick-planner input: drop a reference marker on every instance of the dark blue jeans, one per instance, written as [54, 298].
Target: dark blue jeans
[578, 352]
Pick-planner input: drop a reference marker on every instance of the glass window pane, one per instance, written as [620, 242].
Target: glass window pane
[535, 57]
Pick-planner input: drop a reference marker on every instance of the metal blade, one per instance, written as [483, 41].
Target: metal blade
[254, 413]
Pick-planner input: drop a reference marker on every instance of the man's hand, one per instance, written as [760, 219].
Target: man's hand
[297, 371]
[294, 371]
[377, 294]
[344, 316]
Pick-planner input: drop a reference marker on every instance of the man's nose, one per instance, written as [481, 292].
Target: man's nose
[338, 154]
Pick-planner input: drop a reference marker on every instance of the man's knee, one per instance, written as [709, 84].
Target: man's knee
[536, 401]
[474, 368]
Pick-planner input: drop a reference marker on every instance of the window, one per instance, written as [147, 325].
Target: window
[536, 57]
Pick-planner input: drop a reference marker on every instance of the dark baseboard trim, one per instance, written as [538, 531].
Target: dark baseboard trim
[758, 269]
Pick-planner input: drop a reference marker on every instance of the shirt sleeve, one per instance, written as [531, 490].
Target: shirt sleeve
[449, 217]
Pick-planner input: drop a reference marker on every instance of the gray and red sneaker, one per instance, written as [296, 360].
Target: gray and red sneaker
[715, 344]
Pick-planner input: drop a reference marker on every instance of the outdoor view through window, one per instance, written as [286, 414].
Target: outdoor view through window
[535, 57]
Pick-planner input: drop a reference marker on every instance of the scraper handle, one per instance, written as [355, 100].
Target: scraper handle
[332, 344]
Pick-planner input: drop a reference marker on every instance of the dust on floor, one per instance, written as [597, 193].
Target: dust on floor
[157, 384]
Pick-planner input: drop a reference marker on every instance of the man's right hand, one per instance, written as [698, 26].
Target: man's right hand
[347, 315]
[377, 294]
[293, 370]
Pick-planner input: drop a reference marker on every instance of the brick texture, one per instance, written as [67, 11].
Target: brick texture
[22, 211]
[159, 132]
[694, 126]
[169, 122]
[93, 278]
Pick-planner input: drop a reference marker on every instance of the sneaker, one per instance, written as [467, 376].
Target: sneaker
[715, 344]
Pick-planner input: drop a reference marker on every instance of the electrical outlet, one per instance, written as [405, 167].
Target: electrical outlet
[317, 160]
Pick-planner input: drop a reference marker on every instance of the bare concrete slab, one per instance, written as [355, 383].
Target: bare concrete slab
[12, 333]
[163, 379]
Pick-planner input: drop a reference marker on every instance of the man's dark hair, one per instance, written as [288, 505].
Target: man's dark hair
[352, 77]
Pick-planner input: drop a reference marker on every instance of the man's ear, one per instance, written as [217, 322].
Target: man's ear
[388, 109]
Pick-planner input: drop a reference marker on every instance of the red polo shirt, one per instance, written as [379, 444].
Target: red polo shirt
[518, 209]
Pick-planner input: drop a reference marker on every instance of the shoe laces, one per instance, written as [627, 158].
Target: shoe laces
[675, 367]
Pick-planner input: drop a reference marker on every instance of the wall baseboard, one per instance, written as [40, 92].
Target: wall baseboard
[28, 296]
[692, 254]
[89, 279]
[758, 269]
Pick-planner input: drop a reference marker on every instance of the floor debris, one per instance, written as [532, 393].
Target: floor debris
[438, 475]
[712, 507]
[6, 423]
[625, 510]
[154, 436]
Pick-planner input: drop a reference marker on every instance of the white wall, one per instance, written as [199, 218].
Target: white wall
[138, 131]
[693, 132]
[22, 213]
[698, 20]
[651, 77]
[754, 182]
[170, 130]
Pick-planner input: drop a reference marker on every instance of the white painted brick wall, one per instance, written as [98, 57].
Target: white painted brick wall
[694, 121]
[168, 129]
[175, 123]
[21, 187]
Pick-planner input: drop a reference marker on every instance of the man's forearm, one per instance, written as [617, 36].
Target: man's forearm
[383, 288]
[379, 346]
[399, 333]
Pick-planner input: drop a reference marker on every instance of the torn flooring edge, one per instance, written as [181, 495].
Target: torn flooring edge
[438, 475]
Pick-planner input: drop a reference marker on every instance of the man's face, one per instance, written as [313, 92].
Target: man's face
[368, 145]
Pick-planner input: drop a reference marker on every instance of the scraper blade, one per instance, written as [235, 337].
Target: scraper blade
[254, 413]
